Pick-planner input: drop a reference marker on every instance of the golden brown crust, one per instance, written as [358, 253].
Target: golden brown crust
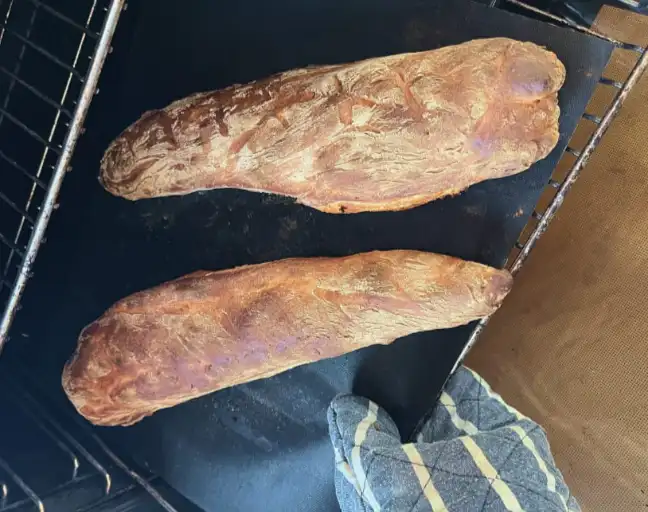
[211, 330]
[381, 134]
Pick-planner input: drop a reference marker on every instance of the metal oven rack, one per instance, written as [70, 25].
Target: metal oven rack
[45, 128]
[60, 88]
[82, 473]
[51, 55]
[574, 158]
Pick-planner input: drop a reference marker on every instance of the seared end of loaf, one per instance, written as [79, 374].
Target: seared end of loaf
[96, 380]
[85, 384]
[159, 150]
[497, 288]
[126, 162]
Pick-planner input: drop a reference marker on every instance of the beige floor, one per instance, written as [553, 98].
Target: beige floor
[570, 345]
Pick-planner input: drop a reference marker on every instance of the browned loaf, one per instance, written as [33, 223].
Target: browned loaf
[387, 133]
[211, 330]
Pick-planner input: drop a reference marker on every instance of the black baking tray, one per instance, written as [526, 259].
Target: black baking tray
[264, 445]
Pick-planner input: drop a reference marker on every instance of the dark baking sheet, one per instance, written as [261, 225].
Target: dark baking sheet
[264, 446]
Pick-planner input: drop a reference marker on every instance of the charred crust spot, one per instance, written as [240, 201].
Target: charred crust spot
[343, 209]
[166, 122]
[223, 129]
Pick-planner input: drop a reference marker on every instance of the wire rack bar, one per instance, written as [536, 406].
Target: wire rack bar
[581, 160]
[53, 128]
[21, 54]
[24, 171]
[87, 92]
[609, 81]
[145, 483]
[576, 26]
[93, 506]
[20, 483]
[27, 129]
[4, 282]
[591, 117]
[572, 151]
[55, 425]
[135, 476]
[36, 92]
[20, 505]
[64, 18]
[49, 433]
[17, 208]
[12, 245]
[41, 50]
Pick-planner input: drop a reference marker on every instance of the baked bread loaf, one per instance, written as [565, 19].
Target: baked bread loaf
[388, 133]
[211, 330]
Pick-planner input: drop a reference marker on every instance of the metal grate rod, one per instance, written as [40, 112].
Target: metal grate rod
[9, 9]
[36, 92]
[17, 208]
[52, 130]
[12, 246]
[592, 118]
[31, 132]
[570, 179]
[85, 97]
[64, 18]
[20, 168]
[48, 432]
[21, 54]
[135, 476]
[609, 81]
[62, 432]
[580, 28]
[101, 503]
[143, 482]
[42, 51]
[572, 151]
[25, 488]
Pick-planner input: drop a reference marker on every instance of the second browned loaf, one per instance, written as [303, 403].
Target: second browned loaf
[210, 330]
[387, 133]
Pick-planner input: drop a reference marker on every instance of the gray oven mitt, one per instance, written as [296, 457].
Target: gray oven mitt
[475, 453]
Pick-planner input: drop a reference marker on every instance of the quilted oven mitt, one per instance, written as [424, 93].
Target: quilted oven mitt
[475, 453]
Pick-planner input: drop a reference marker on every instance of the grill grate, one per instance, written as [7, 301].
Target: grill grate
[70, 463]
[45, 95]
[50, 61]
[82, 472]
[558, 188]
